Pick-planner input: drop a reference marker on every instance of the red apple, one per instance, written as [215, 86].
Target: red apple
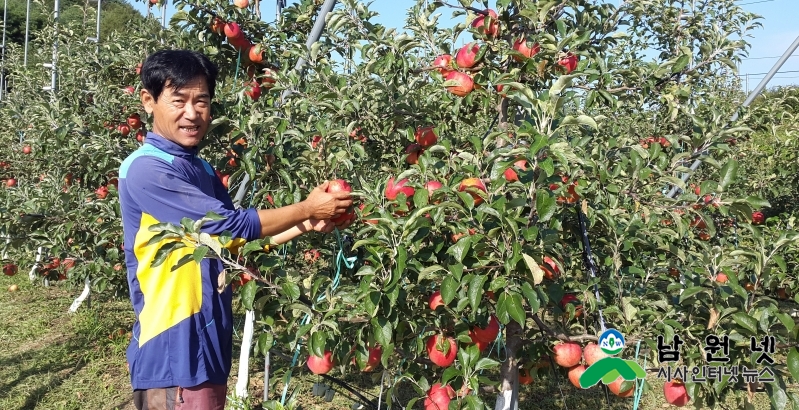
[510, 173]
[240, 43]
[254, 91]
[675, 393]
[241, 3]
[255, 54]
[432, 187]
[315, 141]
[218, 26]
[568, 354]
[722, 277]
[472, 184]
[467, 55]
[575, 373]
[570, 298]
[340, 185]
[375, 354]
[444, 64]
[413, 151]
[493, 27]
[426, 136]
[569, 62]
[392, 189]
[102, 192]
[592, 353]
[615, 388]
[438, 397]
[435, 300]
[321, 365]
[464, 84]
[758, 217]
[123, 129]
[134, 120]
[232, 30]
[522, 45]
[10, 269]
[11, 182]
[26, 149]
[481, 344]
[550, 268]
[489, 334]
[129, 89]
[442, 350]
[269, 78]
[140, 135]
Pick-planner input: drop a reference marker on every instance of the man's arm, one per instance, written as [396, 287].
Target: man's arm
[319, 205]
[307, 226]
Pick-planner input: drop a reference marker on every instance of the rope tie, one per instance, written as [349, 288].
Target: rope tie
[349, 263]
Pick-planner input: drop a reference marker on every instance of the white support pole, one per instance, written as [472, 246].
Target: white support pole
[83, 296]
[266, 376]
[3, 56]
[27, 32]
[8, 242]
[97, 31]
[32, 273]
[52, 66]
[244, 358]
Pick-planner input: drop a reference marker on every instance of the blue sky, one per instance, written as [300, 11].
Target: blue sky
[767, 43]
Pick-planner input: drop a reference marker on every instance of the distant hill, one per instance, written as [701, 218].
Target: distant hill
[116, 15]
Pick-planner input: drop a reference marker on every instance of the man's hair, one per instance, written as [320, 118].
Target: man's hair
[178, 68]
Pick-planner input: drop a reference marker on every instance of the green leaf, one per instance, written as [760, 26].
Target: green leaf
[502, 308]
[728, 173]
[681, 63]
[317, 343]
[515, 308]
[461, 248]
[476, 290]
[182, 261]
[264, 343]
[427, 273]
[747, 322]
[777, 395]
[449, 287]
[248, 294]
[535, 270]
[165, 251]
[200, 253]
[793, 363]
[545, 205]
[290, 289]
[687, 293]
[382, 330]
[532, 296]
[485, 364]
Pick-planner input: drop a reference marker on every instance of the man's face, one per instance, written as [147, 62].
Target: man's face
[181, 116]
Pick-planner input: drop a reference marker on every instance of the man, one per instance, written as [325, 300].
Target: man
[181, 350]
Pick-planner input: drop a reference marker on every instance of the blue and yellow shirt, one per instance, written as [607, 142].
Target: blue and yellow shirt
[183, 334]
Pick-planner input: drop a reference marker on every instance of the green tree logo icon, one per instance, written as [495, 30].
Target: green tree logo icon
[609, 369]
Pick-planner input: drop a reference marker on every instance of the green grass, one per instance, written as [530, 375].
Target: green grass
[50, 359]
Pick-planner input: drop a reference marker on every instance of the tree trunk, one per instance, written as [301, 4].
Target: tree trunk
[508, 397]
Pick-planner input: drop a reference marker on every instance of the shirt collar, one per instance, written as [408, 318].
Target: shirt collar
[169, 147]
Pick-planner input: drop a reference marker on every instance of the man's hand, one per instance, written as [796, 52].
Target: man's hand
[327, 225]
[322, 205]
[320, 225]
